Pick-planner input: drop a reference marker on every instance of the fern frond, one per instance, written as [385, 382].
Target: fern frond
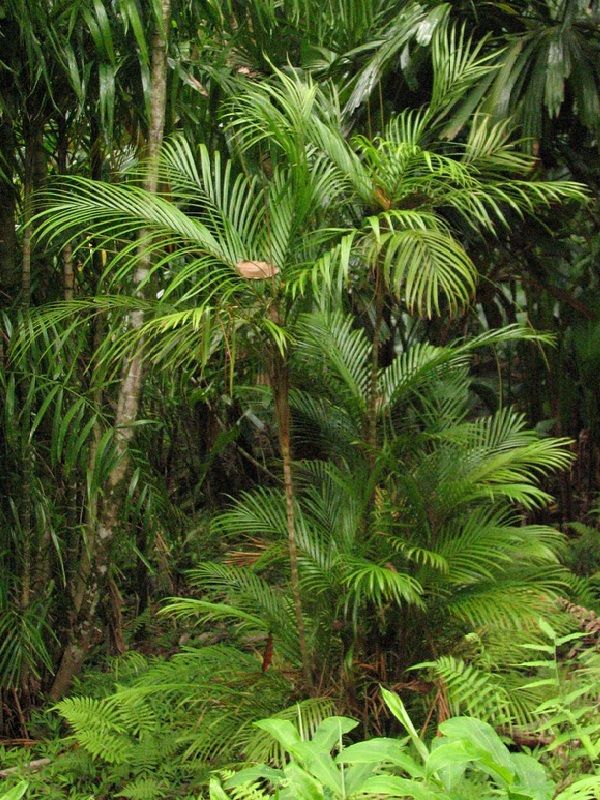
[470, 690]
[99, 728]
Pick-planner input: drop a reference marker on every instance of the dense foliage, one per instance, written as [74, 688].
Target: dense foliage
[300, 422]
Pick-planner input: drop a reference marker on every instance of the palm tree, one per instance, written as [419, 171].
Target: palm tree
[442, 549]
[408, 190]
[238, 256]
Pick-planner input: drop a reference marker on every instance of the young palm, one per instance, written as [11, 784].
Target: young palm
[442, 547]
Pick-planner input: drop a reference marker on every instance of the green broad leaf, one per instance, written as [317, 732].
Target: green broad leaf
[73, 70]
[103, 462]
[482, 736]
[275, 776]
[392, 786]
[396, 706]
[42, 411]
[546, 628]
[451, 775]
[130, 12]
[104, 29]
[377, 751]
[578, 713]
[571, 697]
[282, 730]
[541, 682]
[571, 637]
[319, 763]
[331, 730]
[543, 648]
[74, 450]
[68, 418]
[16, 792]
[499, 774]
[453, 754]
[216, 791]
[531, 778]
[449, 761]
[355, 776]
[301, 785]
[560, 740]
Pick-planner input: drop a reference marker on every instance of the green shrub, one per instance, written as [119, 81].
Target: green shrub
[466, 760]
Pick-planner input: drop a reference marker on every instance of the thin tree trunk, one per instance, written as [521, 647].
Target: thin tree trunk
[36, 169]
[33, 176]
[31, 557]
[129, 393]
[9, 268]
[115, 619]
[67, 253]
[91, 511]
[280, 387]
[82, 554]
[374, 383]
[27, 214]
[68, 273]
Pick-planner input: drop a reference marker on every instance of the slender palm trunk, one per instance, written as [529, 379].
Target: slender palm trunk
[35, 174]
[9, 268]
[280, 386]
[27, 214]
[82, 553]
[68, 273]
[374, 383]
[67, 253]
[128, 401]
[32, 556]
[34, 177]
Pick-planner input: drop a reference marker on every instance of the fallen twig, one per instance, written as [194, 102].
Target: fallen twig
[33, 766]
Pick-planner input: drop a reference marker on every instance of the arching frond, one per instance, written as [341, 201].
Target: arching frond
[346, 350]
[427, 268]
[509, 601]
[457, 65]
[367, 581]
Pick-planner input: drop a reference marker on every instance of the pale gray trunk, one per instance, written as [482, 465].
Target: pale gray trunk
[128, 398]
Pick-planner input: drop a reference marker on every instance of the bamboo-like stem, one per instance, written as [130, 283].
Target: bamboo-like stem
[280, 387]
[25, 512]
[67, 252]
[9, 266]
[32, 556]
[68, 272]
